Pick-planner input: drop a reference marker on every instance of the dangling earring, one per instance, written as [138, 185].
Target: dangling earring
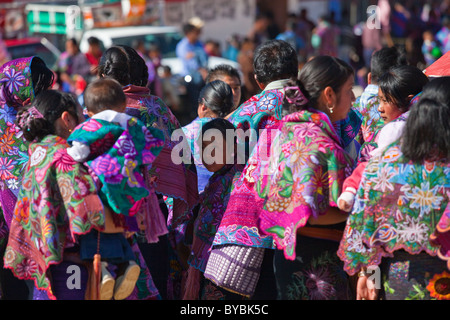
[330, 109]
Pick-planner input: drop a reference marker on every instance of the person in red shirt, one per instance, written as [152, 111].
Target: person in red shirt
[94, 53]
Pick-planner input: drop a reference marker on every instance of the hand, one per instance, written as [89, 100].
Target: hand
[365, 289]
[345, 201]
[344, 205]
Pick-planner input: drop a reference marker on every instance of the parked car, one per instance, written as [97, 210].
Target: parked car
[165, 37]
[33, 46]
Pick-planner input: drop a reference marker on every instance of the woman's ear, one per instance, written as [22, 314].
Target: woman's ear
[262, 86]
[329, 96]
[202, 110]
[69, 121]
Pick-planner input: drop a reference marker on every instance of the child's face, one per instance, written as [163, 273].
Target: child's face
[428, 36]
[215, 155]
[388, 110]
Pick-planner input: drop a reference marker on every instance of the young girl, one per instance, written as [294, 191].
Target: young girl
[398, 90]
[213, 201]
[215, 101]
[116, 147]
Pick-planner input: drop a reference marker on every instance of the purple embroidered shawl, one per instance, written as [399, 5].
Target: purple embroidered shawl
[15, 88]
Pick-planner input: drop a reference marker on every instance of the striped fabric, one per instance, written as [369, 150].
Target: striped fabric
[235, 268]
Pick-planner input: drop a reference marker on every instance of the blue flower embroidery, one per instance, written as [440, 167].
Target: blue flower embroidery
[8, 114]
[13, 80]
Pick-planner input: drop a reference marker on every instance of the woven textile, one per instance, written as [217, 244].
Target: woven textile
[235, 268]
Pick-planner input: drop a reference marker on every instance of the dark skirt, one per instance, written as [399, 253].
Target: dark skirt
[114, 247]
[316, 273]
[69, 281]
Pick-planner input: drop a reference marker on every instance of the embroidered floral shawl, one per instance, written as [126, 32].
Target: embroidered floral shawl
[400, 205]
[316, 155]
[117, 156]
[176, 181]
[257, 113]
[306, 170]
[15, 88]
[213, 202]
[192, 132]
[58, 201]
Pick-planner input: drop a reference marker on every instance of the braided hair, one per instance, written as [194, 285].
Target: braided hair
[38, 119]
[125, 65]
[218, 97]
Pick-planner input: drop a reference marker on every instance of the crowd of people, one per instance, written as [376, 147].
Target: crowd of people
[298, 189]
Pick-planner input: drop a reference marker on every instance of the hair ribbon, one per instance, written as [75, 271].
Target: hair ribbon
[29, 115]
[298, 98]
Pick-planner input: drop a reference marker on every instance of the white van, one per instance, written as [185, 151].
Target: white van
[166, 37]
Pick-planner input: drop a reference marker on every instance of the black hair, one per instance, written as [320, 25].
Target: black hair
[187, 28]
[93, 41]
[73, 41]
[222, 70]
[427, 130]
[104, 94]
[275, 60]
[384, 59]
[41, 76]
[123, 64]
[401, 82]
[218, 97]
[223, 126]
[316, 75]
[51, 104]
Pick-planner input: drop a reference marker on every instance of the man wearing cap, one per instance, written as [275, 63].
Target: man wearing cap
[194, 61]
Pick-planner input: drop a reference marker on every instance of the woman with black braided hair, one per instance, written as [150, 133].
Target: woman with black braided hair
[57, 200]
[215, 101]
